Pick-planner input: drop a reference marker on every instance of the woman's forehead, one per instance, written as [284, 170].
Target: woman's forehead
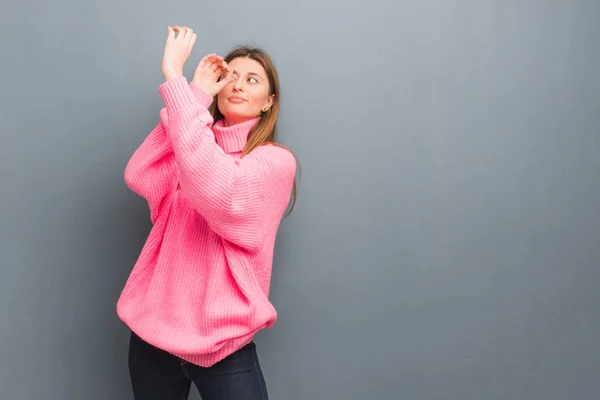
[243, 65]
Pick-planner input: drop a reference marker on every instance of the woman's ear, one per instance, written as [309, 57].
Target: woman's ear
[268, 103]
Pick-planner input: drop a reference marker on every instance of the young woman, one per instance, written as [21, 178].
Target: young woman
[217, 185]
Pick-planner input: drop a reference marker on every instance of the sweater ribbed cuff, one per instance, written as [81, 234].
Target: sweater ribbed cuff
[201, 96]
[176, 94]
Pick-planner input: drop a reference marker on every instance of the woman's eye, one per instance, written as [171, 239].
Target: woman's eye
[252, 80]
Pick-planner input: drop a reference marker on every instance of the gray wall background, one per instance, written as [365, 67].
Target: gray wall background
[446, 242]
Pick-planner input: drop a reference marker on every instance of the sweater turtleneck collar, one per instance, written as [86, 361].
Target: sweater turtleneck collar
[232, 139]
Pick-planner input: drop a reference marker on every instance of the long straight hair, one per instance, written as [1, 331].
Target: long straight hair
[265, 130]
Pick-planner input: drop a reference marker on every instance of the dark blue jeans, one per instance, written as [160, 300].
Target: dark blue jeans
[158, 375]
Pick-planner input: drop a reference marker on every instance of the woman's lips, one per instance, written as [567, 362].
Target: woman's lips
[237, 100]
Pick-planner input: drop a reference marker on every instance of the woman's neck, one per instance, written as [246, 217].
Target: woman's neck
[227, 122]
[233, 138]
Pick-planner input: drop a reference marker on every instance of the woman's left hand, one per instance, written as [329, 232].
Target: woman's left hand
[177, 50]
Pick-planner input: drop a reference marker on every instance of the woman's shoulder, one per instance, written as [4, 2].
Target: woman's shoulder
[275, 152]
[275, 160]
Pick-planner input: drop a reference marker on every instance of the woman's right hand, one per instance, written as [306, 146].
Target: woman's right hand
[208, 72]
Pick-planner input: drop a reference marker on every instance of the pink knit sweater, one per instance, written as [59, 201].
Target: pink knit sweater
[199, 288]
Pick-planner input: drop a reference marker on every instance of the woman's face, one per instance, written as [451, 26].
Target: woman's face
[247, 95]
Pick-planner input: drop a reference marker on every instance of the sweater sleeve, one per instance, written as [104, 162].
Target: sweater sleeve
[241, 199]
[151, 171]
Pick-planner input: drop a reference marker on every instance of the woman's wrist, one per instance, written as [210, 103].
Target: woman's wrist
[168, 75]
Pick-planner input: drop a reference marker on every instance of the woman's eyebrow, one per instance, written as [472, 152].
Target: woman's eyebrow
[249, 73]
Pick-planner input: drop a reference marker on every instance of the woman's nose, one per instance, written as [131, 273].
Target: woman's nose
[237, 84]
